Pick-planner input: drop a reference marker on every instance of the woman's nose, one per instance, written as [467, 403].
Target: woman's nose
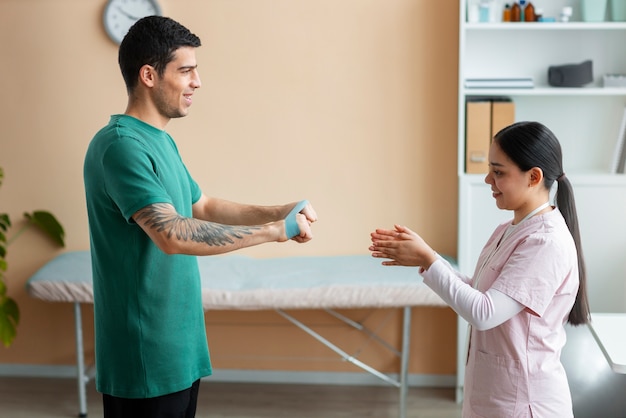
[488, 178]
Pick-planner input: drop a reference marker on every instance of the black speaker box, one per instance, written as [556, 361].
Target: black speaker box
[570, 75]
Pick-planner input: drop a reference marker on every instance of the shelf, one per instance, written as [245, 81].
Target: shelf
[547, 91]
[533, 26]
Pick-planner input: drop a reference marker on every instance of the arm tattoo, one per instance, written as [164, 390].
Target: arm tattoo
[162, 218]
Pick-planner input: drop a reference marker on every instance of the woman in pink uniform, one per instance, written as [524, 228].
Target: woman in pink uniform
[529, 281]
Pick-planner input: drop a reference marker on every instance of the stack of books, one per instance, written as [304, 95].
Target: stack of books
[499, 83]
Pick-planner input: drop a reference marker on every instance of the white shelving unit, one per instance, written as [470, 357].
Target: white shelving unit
[586, 120]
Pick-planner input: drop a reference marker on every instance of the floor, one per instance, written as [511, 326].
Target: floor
[57, 398]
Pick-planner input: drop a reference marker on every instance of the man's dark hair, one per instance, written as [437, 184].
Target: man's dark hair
[152, 40]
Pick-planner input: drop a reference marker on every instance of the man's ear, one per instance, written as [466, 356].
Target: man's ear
[147, 75]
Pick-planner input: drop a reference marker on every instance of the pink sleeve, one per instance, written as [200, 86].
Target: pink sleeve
[535, 272]
[482, 310]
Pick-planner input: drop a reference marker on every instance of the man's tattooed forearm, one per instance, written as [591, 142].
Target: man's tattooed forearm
[161, 218]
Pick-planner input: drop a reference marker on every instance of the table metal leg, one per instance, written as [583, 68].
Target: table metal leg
[80, 362]
[402, 383]
[404, 368]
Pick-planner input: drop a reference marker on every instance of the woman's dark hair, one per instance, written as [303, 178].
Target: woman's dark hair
[531, 144]
[152, 40]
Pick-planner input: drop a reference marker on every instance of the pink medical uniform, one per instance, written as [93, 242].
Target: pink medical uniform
[514, 369]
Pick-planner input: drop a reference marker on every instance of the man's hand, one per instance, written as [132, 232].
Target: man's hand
[298, 222]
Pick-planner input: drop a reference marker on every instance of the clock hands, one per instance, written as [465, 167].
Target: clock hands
[125, 13]
[120, 15]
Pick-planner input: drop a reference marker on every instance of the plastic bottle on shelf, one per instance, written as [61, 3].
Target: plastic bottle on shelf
[522, 10]
[473, 11]
[506, 13]
[566, 14]
[529, 13]
[515, 12]
[484, 8]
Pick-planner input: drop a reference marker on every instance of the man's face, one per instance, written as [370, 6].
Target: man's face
[172, 93]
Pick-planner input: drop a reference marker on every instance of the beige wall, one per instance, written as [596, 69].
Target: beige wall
[348, 103]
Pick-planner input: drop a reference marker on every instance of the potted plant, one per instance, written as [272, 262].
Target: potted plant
[9, 310]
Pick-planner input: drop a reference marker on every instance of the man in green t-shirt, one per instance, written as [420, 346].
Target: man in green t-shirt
[148, 219]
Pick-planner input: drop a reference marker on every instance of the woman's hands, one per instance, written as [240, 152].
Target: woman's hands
[402, 247]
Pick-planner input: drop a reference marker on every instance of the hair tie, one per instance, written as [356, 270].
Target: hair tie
[561, 177]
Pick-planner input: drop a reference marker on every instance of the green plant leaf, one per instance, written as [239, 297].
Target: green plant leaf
[9, 318]
[47, 223]
[9, 311]
[5, 221]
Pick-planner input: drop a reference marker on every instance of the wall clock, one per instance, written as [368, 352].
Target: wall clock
[120, 15]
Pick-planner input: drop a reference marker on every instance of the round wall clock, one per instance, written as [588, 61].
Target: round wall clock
[120, 15]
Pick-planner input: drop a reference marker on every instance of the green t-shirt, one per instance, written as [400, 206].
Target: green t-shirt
[149, 320]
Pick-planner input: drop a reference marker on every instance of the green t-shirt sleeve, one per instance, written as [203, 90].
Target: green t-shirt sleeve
[130, 177]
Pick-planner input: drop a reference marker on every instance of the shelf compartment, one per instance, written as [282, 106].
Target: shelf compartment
[515, 54]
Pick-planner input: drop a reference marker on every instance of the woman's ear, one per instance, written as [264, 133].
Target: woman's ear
[536, 176]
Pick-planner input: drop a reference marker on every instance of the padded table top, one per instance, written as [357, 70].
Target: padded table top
[245, 283]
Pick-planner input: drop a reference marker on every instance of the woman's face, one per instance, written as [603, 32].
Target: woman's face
[510, 186]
